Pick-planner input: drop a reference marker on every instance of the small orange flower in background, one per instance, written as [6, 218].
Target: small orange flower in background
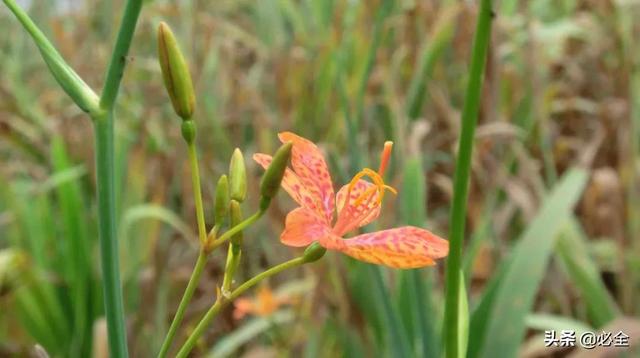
[264, 304]
[358, 204]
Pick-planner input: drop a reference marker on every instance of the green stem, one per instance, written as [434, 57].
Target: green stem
[119, 55]
[461, 178]
[186, 298]
[234, 230]
[105, 174]
[114, 310]
[223, 301]
[235, 247]
[197, 192]
[233, 258]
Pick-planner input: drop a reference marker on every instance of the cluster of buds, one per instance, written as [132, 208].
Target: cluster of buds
[231, 190]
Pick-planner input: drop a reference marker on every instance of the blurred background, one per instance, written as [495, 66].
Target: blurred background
[553, 226]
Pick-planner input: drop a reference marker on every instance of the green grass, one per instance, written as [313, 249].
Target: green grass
[347, 75]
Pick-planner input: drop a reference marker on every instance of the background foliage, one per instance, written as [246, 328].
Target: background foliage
[554, 210]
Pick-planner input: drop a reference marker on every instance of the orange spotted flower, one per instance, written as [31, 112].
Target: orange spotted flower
[309, 184]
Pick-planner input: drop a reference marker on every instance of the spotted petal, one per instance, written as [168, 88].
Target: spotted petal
[302, 227]
[404, 247]
[291, 184]
[310, 166]
[353, 216]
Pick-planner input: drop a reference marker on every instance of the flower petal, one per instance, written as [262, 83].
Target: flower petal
[404, 247]
[310, 166]
[302, 227]
[291, 184]
[354, 216]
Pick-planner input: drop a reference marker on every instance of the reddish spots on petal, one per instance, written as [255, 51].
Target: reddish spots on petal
[405, 247]
[310, 166]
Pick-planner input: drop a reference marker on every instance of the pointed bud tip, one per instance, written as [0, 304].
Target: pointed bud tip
[275, 172]
[237, 176]
[175, 72]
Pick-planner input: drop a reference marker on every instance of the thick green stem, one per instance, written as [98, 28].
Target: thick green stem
[186, 298]
[223, 301]
[120, 52]
[102, 115]
[197, 192]
[105, 175]
[461, 178]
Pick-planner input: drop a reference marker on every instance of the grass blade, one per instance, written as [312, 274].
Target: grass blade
[461, 178]
[584, 274]
[436, 43]
[76, 249]
[516, 291]
[415, 303]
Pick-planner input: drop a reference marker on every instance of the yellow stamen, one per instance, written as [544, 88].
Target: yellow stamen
[379, 186]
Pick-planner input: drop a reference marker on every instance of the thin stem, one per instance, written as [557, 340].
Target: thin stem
[461, 178]
[186, 298]
[234, 230]
[197, 192]
[235, 247]
[114, 309]
[119, 55]
[223, 301]
[233, 257]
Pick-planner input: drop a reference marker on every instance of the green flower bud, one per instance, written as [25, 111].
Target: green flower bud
[237, 177]
[236, 218]
[175, 72]
[271, 179]
[313, 252]
[188, 131]
[222, 200]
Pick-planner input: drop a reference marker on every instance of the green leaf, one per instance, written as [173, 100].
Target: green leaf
[432, 50]
[463, 319]
[583, 273]
[515, 294]
[415, 302]
[68, 79]
[76, 245]
[134, 258]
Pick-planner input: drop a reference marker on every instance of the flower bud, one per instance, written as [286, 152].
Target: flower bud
[237, 177]
[175, 72]
[222, 200]
[236, 218]
[271, 179]
[313, 252]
